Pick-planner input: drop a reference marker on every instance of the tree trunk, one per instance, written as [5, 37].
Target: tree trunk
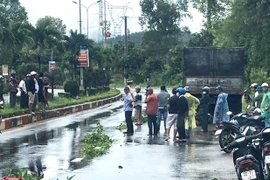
[39, 64]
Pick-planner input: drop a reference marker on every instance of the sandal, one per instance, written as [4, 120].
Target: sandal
[167, 138]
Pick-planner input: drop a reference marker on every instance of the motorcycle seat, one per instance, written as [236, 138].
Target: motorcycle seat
[256, 118]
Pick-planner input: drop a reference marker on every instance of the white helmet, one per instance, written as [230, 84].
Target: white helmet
[33, 73]
[265, 85]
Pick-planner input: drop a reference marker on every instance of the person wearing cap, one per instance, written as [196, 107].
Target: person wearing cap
[151, 101]
[128, 108]
[138, 106]
[163, 97]
[13, 90]
[253, 88]
[31, 89]
[221, 108]
[182, 114]
[202, 114]
[23, 97]
[259, 97]
[265, 105]
[193, 104]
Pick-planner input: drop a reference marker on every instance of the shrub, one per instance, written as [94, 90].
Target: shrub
[72, 87]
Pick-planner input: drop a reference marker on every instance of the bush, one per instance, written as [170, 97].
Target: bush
[72, 87]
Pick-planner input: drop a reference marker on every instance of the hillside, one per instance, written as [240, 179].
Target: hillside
[137, 38]
[133, 37]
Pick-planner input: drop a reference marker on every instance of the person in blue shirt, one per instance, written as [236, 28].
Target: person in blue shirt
[128, 108]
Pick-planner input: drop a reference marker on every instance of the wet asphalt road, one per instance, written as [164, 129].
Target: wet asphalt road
[57, 142]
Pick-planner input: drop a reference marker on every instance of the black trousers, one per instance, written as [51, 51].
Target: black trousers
[12, 99]
[24, 101]
[204, 122]
[152, 121]
[130, 129]
[181, 126]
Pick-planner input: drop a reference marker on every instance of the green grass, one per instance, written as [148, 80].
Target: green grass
[59, 102]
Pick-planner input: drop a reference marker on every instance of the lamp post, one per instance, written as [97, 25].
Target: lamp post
[80, 23]
[87, 10]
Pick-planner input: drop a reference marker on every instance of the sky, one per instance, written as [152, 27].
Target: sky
[69, 13]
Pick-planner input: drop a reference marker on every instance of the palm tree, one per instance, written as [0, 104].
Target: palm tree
[72, 45]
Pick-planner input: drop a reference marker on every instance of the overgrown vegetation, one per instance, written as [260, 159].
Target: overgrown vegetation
[29, 176]
[25, 175]
[96, 143]
[59, 102]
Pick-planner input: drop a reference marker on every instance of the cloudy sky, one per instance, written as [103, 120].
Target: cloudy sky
[69, 13]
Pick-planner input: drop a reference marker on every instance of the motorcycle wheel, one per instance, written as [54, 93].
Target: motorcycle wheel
[267, 172]
[225, 138]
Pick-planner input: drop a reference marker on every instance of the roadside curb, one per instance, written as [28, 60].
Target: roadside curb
[17, 121]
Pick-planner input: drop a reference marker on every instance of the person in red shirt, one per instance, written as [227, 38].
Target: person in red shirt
[151, 110]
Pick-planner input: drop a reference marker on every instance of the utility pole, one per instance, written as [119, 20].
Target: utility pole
[126, 43]
[80, 16]
[126, 37]
[80, 22]
[105, 24]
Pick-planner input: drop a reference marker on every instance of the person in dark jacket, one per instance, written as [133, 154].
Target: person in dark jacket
[182, 114]
[204, 109]
[13, 90]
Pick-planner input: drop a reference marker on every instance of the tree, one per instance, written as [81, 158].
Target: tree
[48, 32]
[248, 26]
[12, 21]
[214, 11]
[72, 46]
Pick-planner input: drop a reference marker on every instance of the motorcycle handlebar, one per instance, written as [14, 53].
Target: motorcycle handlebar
[247, 139]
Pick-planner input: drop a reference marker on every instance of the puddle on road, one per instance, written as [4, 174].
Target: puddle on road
[58, 146]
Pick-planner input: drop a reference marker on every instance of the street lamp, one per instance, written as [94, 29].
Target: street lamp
[87, 8]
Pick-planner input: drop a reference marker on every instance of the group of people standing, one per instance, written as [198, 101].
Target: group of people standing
[33, 90]
[177, 111]
[261, 99]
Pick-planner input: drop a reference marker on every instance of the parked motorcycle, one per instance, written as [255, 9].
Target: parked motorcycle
[239, 124]
[265, 149]
[247, 158]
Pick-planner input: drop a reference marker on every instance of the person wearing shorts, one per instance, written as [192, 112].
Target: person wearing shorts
[173, 114]
[31, 89]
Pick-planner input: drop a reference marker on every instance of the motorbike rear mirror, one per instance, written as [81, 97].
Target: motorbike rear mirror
[229, 113]
[241, 139]
[257, 110]
[266, 130]
[248, 107]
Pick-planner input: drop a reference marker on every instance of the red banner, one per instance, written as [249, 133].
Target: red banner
[83, 59]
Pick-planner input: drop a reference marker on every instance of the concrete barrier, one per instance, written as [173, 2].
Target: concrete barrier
[21, 120]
